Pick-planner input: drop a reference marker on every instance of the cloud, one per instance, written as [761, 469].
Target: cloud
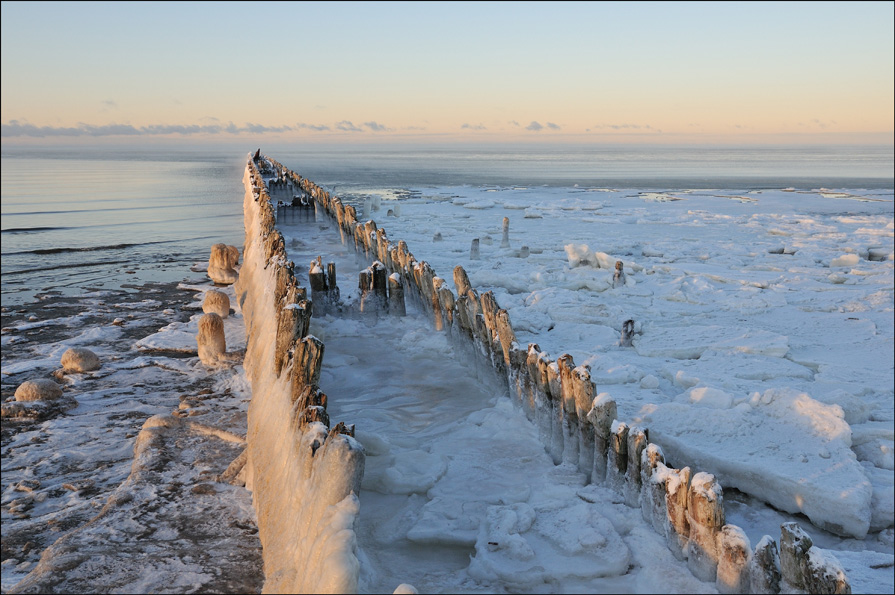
[515, 123]
[260, 129]
[377, 127]
[645, 127]
[347, 126]
[473, 127]
[108, 104]
[821, 124]
[16, 128]
[414, 128]
[314, 127]
[534, 127]
[552, 126]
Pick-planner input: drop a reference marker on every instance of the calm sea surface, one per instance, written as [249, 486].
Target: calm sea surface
[99, 217]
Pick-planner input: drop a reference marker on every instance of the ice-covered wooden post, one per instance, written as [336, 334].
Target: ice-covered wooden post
[627, 338]
[505, 242]
[705, 513]
[221, 262]
[601, 415]
[794, 546]
[549, 373]
[734, 555]
[437, 284]
[617, 461]
[638, 439]
[210, 340]
[306, 361]
[652, 487]
[764, 567]
[317, 281]
[333, 293]
[584, 390]
[571, 442]
[396, 305]
[618, 279]
[461, 281]
[474, 250]
[216, 302]
[373, 284]
[448, 305]
[292, 324]
[677, 527]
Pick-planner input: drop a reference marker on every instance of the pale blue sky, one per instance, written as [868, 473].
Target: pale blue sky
[657, 72]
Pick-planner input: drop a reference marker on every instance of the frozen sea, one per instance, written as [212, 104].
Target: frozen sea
[763, 352]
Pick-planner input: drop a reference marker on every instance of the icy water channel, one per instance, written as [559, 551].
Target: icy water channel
[459, 494]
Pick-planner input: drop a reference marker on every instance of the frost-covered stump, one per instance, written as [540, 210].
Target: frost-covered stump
[617, 459]
[307, 357]
[474, 251]
[627, 336]
[396, 306]
[543, 411]
[221, 264]
[325, 292]
[372, 282]
[505, 242]
[554, 393]
[79, 359]
[601, 415]
[212, 345]
[39, 389]
[804, 567]
[734, 556]
[571, 442]
[764, 567]
[794, 545]
[584, 390]
[618, 278]
[653, 474]
[448, 303]
[677, 522]
[216, 302]
[638, 439]
[705, 513]
[293, 321]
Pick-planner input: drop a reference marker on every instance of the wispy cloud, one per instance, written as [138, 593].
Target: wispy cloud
[626, 126]
[108, 105]
[817, 123]
[553, 126]
[534, 126]
[467, 126]
[515, 123]
[16, 128]
[314, 127]
[347, 126]
[377, 127]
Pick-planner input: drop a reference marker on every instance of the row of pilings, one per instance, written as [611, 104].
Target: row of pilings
[304, 472]
[580, 427]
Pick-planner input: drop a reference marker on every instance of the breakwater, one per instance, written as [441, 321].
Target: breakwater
[578, 425]
[304, 472]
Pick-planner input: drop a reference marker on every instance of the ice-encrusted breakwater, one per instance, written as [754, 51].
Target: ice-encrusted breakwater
[579, 427]
[304, 475]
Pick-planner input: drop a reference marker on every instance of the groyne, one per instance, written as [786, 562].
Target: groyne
[304, 473]
[577, 425]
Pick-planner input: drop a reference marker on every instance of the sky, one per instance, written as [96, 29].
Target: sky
[638, 72]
